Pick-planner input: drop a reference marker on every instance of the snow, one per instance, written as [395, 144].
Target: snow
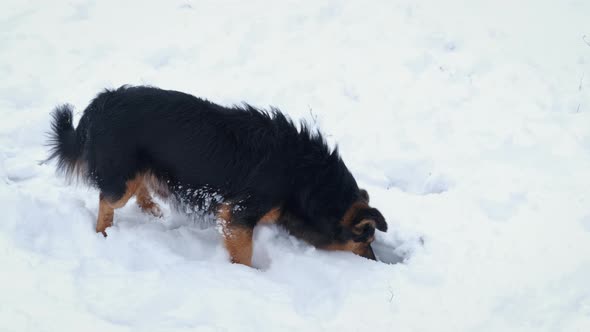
[467, 121]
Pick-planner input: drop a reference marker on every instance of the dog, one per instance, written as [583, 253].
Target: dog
[242, 164]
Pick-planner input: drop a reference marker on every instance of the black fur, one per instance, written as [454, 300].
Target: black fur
[66, 143]
[208, 154]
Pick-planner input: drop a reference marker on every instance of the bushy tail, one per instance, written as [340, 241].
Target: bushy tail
[65, 145]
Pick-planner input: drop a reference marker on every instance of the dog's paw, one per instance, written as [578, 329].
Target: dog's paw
[153, 209]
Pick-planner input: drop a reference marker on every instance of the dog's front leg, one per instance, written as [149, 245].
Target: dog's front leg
[237, 236]
[238, 241]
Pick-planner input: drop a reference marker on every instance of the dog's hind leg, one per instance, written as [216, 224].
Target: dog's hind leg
[145, 201]
[105, 215]
[107, 205]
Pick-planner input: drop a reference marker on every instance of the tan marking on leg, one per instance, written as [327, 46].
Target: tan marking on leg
[145, 201]
[106, 208]
[224, 213]
[105, 216]
[237, 239]
[271, 216]
[158, 187]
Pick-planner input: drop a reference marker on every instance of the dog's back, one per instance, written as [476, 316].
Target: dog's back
[185, 141]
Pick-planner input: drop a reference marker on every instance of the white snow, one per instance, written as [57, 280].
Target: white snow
[467, 121]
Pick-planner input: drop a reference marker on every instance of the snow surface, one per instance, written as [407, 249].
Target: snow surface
[467, 121]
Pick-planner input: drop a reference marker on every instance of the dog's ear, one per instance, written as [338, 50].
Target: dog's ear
[364, 195]
[367, 220]
[380, 221]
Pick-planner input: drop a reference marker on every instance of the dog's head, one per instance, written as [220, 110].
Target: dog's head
[357, 228]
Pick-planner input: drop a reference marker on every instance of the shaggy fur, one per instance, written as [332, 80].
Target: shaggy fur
[208, 156]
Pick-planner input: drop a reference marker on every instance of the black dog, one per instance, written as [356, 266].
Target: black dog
[240, 163]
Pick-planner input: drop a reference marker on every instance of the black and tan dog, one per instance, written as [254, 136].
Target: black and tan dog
[245, 165]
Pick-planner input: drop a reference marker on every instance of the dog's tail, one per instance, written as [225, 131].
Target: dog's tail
[66, 143]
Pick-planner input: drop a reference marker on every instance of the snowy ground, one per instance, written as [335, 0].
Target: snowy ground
[468, 122]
